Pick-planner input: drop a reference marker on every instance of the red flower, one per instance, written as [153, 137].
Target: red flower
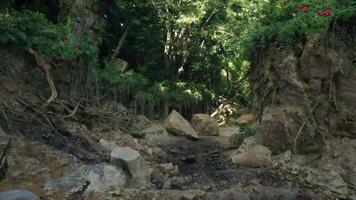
[326, 12]
[304, 8]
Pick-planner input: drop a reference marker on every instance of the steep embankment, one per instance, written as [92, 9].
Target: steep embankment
[305, 95]
[306, 99]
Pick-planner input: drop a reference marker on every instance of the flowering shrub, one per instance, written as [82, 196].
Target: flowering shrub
[281, 22]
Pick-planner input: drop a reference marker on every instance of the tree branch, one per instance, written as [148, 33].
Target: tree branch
[121, 41]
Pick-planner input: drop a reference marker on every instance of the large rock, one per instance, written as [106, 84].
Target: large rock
[18, 195]
[133, 163]
[176, 124]
[280, 126]
[97, 178]
[258, 156]
[205, 125]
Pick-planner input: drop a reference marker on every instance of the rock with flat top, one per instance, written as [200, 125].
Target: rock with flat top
[177, 125]
[133, 163]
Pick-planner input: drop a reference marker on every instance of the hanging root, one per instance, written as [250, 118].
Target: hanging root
[301, 128]
[45, 68]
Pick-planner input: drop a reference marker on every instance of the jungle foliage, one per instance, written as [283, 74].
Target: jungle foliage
[178, 51]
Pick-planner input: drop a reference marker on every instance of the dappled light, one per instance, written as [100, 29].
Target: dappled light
[177, 99]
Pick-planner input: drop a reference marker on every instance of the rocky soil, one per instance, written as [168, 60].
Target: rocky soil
[97, 154]
[90, 150]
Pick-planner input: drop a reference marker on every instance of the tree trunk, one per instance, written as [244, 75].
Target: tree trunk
[121, 42]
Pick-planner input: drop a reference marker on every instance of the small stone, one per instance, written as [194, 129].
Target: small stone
[166, 167]
[106, 145]
[174, 151]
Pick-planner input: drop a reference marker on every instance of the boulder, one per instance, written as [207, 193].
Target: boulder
[245, 119]
[133, 163]
[279, 127]
[176, 124]
[258, 156]
[205, 125]
[97, 178]
[18, 195]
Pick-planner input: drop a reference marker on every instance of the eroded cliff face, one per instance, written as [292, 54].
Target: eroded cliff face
[73, 78]
[307, 95]
[88, 24]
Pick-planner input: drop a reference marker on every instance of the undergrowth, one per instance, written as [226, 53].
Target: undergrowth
[245, 131]
[28, 29]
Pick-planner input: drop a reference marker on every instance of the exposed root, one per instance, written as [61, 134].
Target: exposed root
[301, 128]
[49, 122]
[45, 68]
[75, 109]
